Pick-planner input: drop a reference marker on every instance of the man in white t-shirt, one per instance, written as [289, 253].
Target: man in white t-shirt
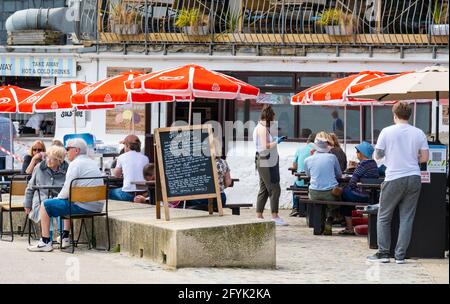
[403, 148]
[130, 165]
[35, 122]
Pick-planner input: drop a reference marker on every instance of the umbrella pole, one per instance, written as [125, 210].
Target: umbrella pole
[190, 113]
[437, 118]
[360, 123]
[345, 129]
[371, 122]
[132, 119]
[415, 112]
[75, 121]
[11, 138]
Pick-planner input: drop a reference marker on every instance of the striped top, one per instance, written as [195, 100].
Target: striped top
[366, 169]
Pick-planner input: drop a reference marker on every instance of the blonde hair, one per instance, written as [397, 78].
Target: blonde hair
[57, 153]
[57, 142]
[323, 136]
[334, 140]
[37, 142]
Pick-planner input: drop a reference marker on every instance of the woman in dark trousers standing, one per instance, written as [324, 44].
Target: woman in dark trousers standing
[267, 164]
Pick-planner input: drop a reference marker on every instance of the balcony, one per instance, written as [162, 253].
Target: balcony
[267, 22]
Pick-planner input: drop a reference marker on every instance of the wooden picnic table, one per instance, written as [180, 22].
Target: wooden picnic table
[10, 172]
[150, 185]
[306, 178]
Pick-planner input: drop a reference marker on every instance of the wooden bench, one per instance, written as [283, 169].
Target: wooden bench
[316, 213]
[300, 192]
[236, 208]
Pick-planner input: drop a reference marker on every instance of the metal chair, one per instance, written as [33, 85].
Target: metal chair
[87, 194]
[17, 187]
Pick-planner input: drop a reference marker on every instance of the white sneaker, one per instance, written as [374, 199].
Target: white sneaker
[400, 261]
[41, 247]
[279, 221]
[65, 242]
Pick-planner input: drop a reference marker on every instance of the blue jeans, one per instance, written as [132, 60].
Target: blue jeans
[60, 207]
[119, 195]
[349, 195]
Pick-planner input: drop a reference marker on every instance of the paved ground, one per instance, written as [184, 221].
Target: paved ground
[301, 258]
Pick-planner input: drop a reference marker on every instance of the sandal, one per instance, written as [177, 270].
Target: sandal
[346, 232]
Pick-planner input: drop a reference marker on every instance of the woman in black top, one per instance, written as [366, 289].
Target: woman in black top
[336, 150]
[35, 155]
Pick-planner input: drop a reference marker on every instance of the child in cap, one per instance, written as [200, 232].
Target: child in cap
[367, 168]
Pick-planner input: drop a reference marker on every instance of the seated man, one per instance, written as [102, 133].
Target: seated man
[130, 165]
[367, 168]
[80, 166]
[323, 168]
[301, 154]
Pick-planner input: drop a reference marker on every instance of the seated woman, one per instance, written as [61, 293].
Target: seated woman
[35, 155]
[52, 171]
[324, 170]
[367, 168]
[337, 150]
[223, 172]
[149, 175]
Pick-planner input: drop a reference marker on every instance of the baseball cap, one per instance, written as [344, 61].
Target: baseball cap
[365, 149]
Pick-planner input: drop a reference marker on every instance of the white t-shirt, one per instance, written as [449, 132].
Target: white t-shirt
[35, 121]
[401, 144]
[258, 137]
[132, 164]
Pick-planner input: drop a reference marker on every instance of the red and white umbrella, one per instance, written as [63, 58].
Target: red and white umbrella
[11, 96]
[192, 81]
[53, 98]
[336, 92]
[112, 91]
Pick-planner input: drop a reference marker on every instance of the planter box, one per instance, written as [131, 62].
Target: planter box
[196, 30]
[439, 29]
[339, 30]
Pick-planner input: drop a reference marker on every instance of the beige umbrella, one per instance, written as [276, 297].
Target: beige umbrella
[429, 83]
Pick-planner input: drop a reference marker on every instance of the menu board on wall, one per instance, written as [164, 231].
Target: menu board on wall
[123, 119]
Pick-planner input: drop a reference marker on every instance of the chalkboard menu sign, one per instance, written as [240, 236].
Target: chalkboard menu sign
[186, 165]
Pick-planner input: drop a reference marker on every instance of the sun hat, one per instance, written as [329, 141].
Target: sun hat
[321, 146]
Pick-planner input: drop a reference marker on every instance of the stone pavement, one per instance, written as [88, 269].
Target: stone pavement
[301, 258]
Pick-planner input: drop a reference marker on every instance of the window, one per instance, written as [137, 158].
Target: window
[284, 111]
[314, 119]
[271, 81]
[382, 116]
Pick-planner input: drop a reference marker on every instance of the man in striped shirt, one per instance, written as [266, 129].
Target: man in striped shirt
[367, 168]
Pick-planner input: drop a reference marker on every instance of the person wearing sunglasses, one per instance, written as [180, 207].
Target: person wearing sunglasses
[35, 155]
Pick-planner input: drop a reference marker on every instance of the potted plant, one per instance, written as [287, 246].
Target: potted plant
[232, 22]
[440, 26]
[336, 22]
[125, 21]
[192, 22]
